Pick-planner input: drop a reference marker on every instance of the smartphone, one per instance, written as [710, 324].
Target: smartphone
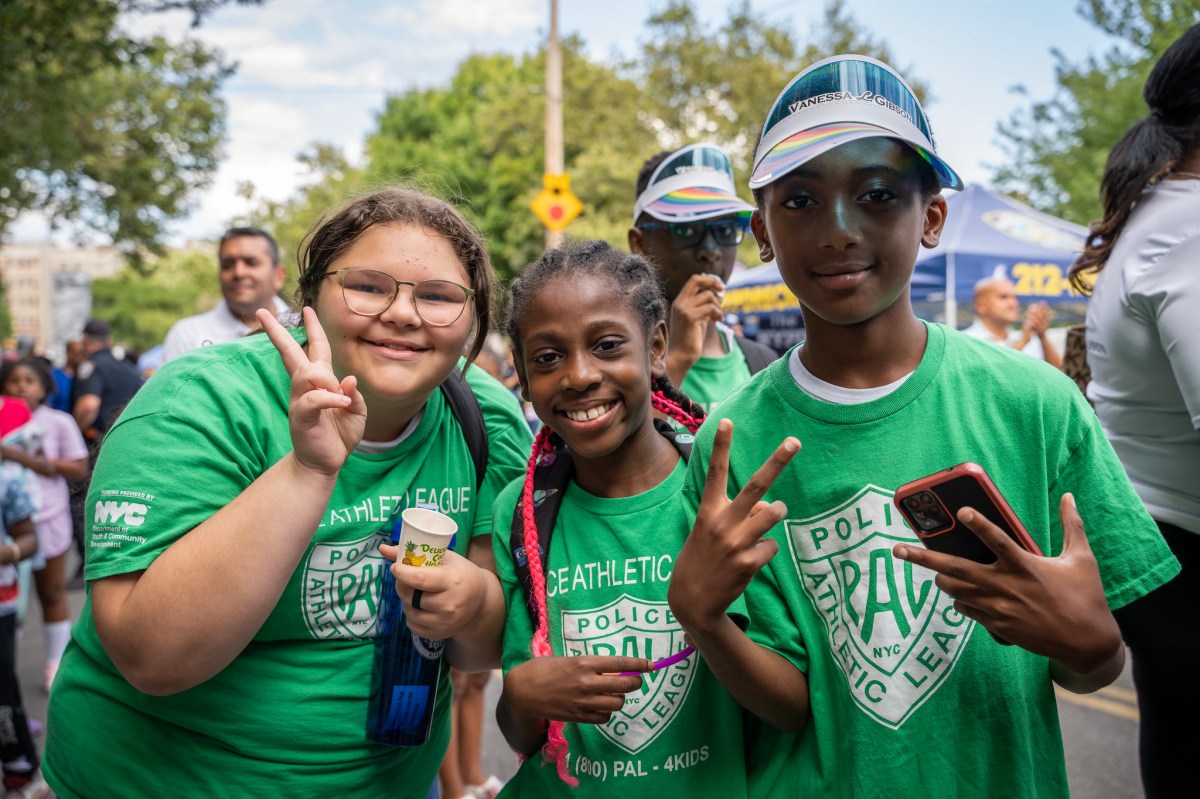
[931, 507]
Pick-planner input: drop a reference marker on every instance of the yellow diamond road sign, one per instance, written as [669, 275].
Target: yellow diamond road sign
[555, 205]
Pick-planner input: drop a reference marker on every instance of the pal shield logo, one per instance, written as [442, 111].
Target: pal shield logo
[893, 634]
[635, 628]
[341, 588]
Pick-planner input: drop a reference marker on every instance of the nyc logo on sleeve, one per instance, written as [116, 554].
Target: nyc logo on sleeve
[893, 634]
[117, 516]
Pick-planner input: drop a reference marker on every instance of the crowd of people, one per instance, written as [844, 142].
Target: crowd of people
[680, 547]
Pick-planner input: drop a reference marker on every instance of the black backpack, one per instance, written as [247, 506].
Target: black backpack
[550, 480]
[758, 356]
[466, 410]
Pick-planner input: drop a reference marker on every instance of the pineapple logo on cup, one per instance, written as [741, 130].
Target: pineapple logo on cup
[342, 578]
[425, 536]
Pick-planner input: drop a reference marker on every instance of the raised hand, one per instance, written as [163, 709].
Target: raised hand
[1050, 606]
[586, 689]
[1037, 318]
[326, 416]
[698, 304]
[729, 533]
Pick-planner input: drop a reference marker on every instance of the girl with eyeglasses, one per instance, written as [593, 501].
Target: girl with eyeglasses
[235, 523]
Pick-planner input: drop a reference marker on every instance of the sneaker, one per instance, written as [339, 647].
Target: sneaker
[33, 787]
[488, 790]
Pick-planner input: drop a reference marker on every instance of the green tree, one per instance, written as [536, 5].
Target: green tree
[6, 324]
[142, 306]
[715, 82]
[1055, 150]
[479, 143]
[103, 130]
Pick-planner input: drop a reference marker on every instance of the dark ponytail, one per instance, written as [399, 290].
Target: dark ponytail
[1148, 150]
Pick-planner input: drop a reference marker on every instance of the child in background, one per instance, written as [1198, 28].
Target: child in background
[18, 541]
[688, 220]
[865, 648]
[60, 456]
[588, 326]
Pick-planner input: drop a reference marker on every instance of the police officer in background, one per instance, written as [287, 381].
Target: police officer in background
[103, 384]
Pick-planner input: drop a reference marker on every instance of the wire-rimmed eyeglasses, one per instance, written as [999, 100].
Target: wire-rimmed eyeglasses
[369, 292]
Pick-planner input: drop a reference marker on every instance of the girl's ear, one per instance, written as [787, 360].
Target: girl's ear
[935, 220]
[657, 348]
[519, 364]
[759, 229]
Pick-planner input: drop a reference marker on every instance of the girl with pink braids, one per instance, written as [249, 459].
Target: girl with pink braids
[598, 677]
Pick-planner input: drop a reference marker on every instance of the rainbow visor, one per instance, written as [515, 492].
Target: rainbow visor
[839, 100]
[691, 184]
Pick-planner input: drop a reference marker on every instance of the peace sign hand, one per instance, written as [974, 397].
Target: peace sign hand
[726, 548]
[326, 416]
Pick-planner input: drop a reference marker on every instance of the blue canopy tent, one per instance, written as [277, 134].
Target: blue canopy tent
[769, 311]
[990, 235]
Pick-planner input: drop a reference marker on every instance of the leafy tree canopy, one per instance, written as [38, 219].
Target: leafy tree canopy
[715, 82]
[104, 131]
[1056, 149]
[142, 306]
[479, 141]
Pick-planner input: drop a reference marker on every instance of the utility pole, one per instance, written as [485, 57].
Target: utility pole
[554, 121]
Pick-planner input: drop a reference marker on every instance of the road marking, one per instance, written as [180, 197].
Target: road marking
[1120, 694]
[1118, 708]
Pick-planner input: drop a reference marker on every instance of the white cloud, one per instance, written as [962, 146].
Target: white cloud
[457, 18]
[319, 70]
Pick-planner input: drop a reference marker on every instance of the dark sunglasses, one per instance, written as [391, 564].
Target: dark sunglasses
[725, 232]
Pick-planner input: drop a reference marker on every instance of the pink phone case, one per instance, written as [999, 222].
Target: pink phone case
[931, 505]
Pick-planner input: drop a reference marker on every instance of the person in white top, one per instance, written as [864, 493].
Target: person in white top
[251, 277]
[998, 310]
[1144, 353]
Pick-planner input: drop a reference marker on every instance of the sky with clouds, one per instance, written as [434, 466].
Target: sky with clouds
[319, 70]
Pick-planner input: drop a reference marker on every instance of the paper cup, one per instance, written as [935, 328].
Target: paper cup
[424, 536]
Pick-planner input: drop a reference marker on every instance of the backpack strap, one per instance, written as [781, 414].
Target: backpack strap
[758, 356]
[550, 480]
[465, 407]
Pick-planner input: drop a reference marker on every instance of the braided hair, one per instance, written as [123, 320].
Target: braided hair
[637, 286]
[1148, 150]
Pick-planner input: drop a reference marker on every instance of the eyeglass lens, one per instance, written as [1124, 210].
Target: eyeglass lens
[369, 292]
[726, 232]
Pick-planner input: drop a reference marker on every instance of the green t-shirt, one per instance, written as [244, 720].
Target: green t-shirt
[288, 716]
[608, 569]
[908, 697]
[711, 379]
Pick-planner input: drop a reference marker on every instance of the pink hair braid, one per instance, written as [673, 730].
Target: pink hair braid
[555, 750]
[673, 409]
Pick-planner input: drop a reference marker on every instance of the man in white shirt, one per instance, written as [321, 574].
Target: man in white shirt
[997, 309]
[251, 276]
